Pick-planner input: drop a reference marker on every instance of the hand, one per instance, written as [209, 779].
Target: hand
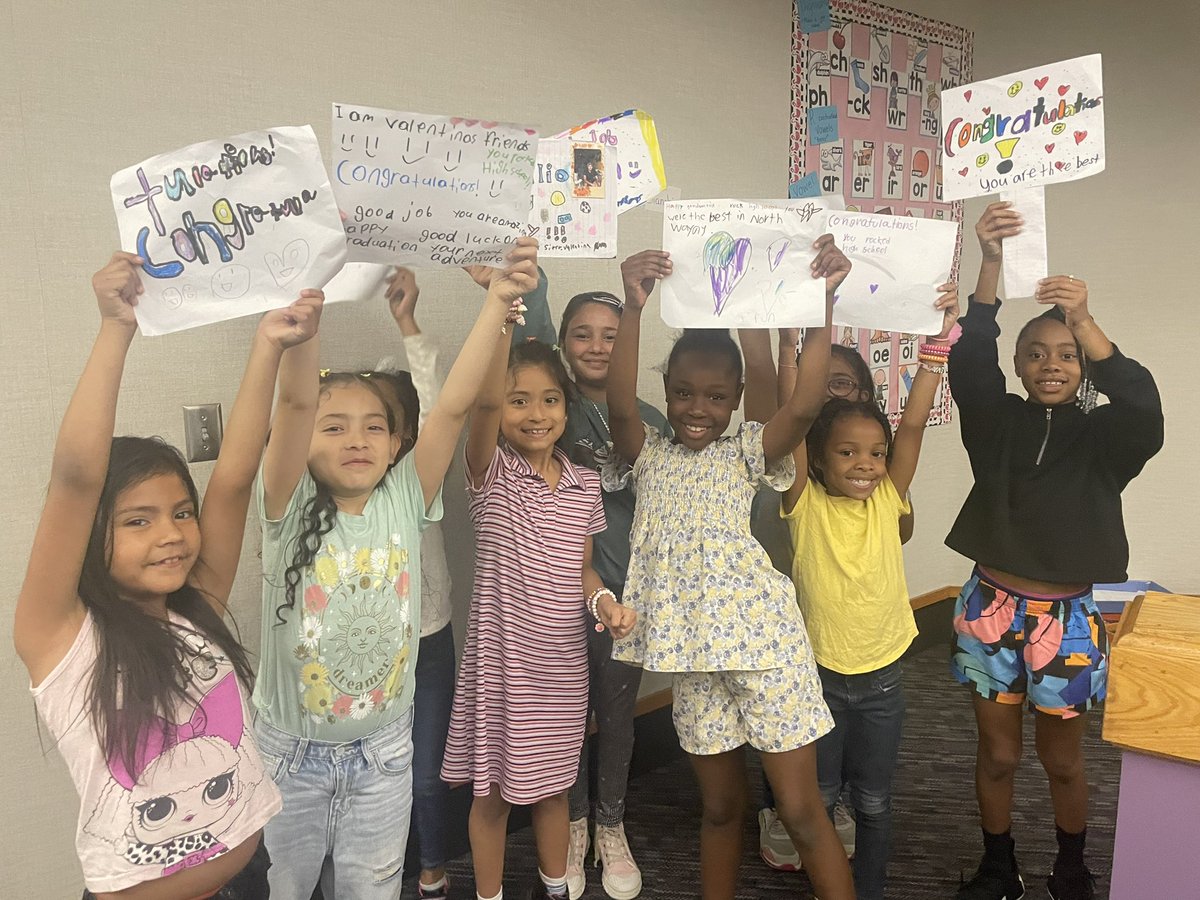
[521, 275]
[481, 275]
[402, 293]
[294, 324]
[639, 273]
[1068, 293]
[117, 287]
[618, 619]
[999, 221]
[947, 302]
[830, 263]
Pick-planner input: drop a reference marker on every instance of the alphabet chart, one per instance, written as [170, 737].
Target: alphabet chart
[881, 72]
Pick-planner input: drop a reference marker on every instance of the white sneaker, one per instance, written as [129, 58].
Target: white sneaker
[774, 844]
[622, 879]
[577, 850]
[843, 824]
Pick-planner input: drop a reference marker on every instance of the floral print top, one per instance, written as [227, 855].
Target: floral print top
[340, 664]
[706, 594]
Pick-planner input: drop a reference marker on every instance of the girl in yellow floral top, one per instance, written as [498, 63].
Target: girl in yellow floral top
[710, 607]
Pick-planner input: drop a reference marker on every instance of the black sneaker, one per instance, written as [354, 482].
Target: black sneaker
[1079, 885]
[992, 884]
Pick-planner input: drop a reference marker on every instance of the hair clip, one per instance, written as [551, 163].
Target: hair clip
[324, 373]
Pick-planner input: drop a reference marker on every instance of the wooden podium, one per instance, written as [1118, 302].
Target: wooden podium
[1153, 713]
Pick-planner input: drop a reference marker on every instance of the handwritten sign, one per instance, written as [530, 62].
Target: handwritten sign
[898, 262]
[741, 264]
[1025, 258]
[822, 124]
[1039, 126]
[813, 15]
[574, 200]
[423, 190]
[228, 228]
[637, 159]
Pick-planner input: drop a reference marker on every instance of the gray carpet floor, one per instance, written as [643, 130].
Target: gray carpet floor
[936, 831]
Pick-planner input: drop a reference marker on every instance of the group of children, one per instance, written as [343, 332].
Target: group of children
[609, 540]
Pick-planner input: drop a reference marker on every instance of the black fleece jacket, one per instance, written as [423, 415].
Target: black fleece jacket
[1046, 503]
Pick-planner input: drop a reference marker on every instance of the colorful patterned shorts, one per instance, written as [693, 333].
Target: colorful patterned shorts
[773, 710]
[1053, 650]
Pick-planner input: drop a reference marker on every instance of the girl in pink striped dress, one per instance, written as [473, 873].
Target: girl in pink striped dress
[520, 704]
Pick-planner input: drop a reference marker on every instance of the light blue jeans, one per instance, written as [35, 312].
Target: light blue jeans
[346, 809]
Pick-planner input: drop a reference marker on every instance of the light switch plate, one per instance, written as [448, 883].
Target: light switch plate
[202, 431]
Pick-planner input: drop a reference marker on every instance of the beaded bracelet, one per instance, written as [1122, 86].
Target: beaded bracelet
[593, 604]
[937, 368]
[939, 350]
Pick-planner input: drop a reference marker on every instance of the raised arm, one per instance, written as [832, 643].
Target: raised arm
[906, 448]
[638, 274]
[420, 349]
[49, 611]
[787, 428]
[538, 324]
[484, 430]
[435, 444]
[291, 429]
[760, 389]
[223, 517]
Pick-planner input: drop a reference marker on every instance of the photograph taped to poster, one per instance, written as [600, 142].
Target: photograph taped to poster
[883, 70]
[1036, 127]
[228, 228]
[425, 190]
[740, 264]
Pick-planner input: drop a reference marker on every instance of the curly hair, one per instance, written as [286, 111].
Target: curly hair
[839, 408]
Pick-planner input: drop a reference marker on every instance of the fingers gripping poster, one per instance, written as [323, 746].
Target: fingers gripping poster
[1029, 129]
[882, 72]
[228, 228]
[421, 190]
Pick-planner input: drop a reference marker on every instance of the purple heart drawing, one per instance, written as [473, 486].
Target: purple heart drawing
[836, 298]
[874, 288]
[775, 252]
[727, 260]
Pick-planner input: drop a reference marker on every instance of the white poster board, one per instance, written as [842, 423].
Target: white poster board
[636, 156]
[574, 200]
[422, 190]
[740, 264]
[897, 265]
[228, 228]
[1036, 127]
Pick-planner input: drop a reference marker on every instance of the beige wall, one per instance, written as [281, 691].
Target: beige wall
[86, 89]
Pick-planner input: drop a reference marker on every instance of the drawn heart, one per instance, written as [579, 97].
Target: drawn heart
[967, 96]
[456, 120]
[1079, 136]
[836, 298]
[531, 131]
[592, 231]
[1049, 148]
[987, 110]
[1062, 89]
[488, 124]
[470, 121]
[963, 172]
[727, 260]
[290, 262]
[873, 287]
[1058, 165]
[839, 40]
[775, 252]
[1041, 82]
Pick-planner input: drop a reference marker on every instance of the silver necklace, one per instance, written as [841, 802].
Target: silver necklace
[607, 430]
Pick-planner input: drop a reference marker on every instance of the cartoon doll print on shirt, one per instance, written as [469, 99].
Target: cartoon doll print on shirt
[190, 780]
[356, 632]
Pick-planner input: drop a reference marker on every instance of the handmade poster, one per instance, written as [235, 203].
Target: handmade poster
[637, 173]
[1025, 260]
[898, 264]
[229, 227]
[422, 190]
[574, 205]
[883, 70]
[741, 264]
[1036, 127]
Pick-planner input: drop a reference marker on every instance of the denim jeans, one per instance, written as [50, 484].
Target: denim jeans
[868, 714]
[612, 695]
[345, 812]
[431, 723]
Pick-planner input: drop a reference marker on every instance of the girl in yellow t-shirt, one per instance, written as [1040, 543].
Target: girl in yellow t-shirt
[849, 575]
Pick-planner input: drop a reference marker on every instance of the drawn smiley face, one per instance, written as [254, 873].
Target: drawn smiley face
[633, 170]
[231, 282]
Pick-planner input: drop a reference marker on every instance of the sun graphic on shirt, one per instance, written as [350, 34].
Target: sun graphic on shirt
[364, 637]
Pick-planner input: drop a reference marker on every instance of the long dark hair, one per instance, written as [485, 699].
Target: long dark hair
[317, 517]
[839, 408]
[139, 659]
